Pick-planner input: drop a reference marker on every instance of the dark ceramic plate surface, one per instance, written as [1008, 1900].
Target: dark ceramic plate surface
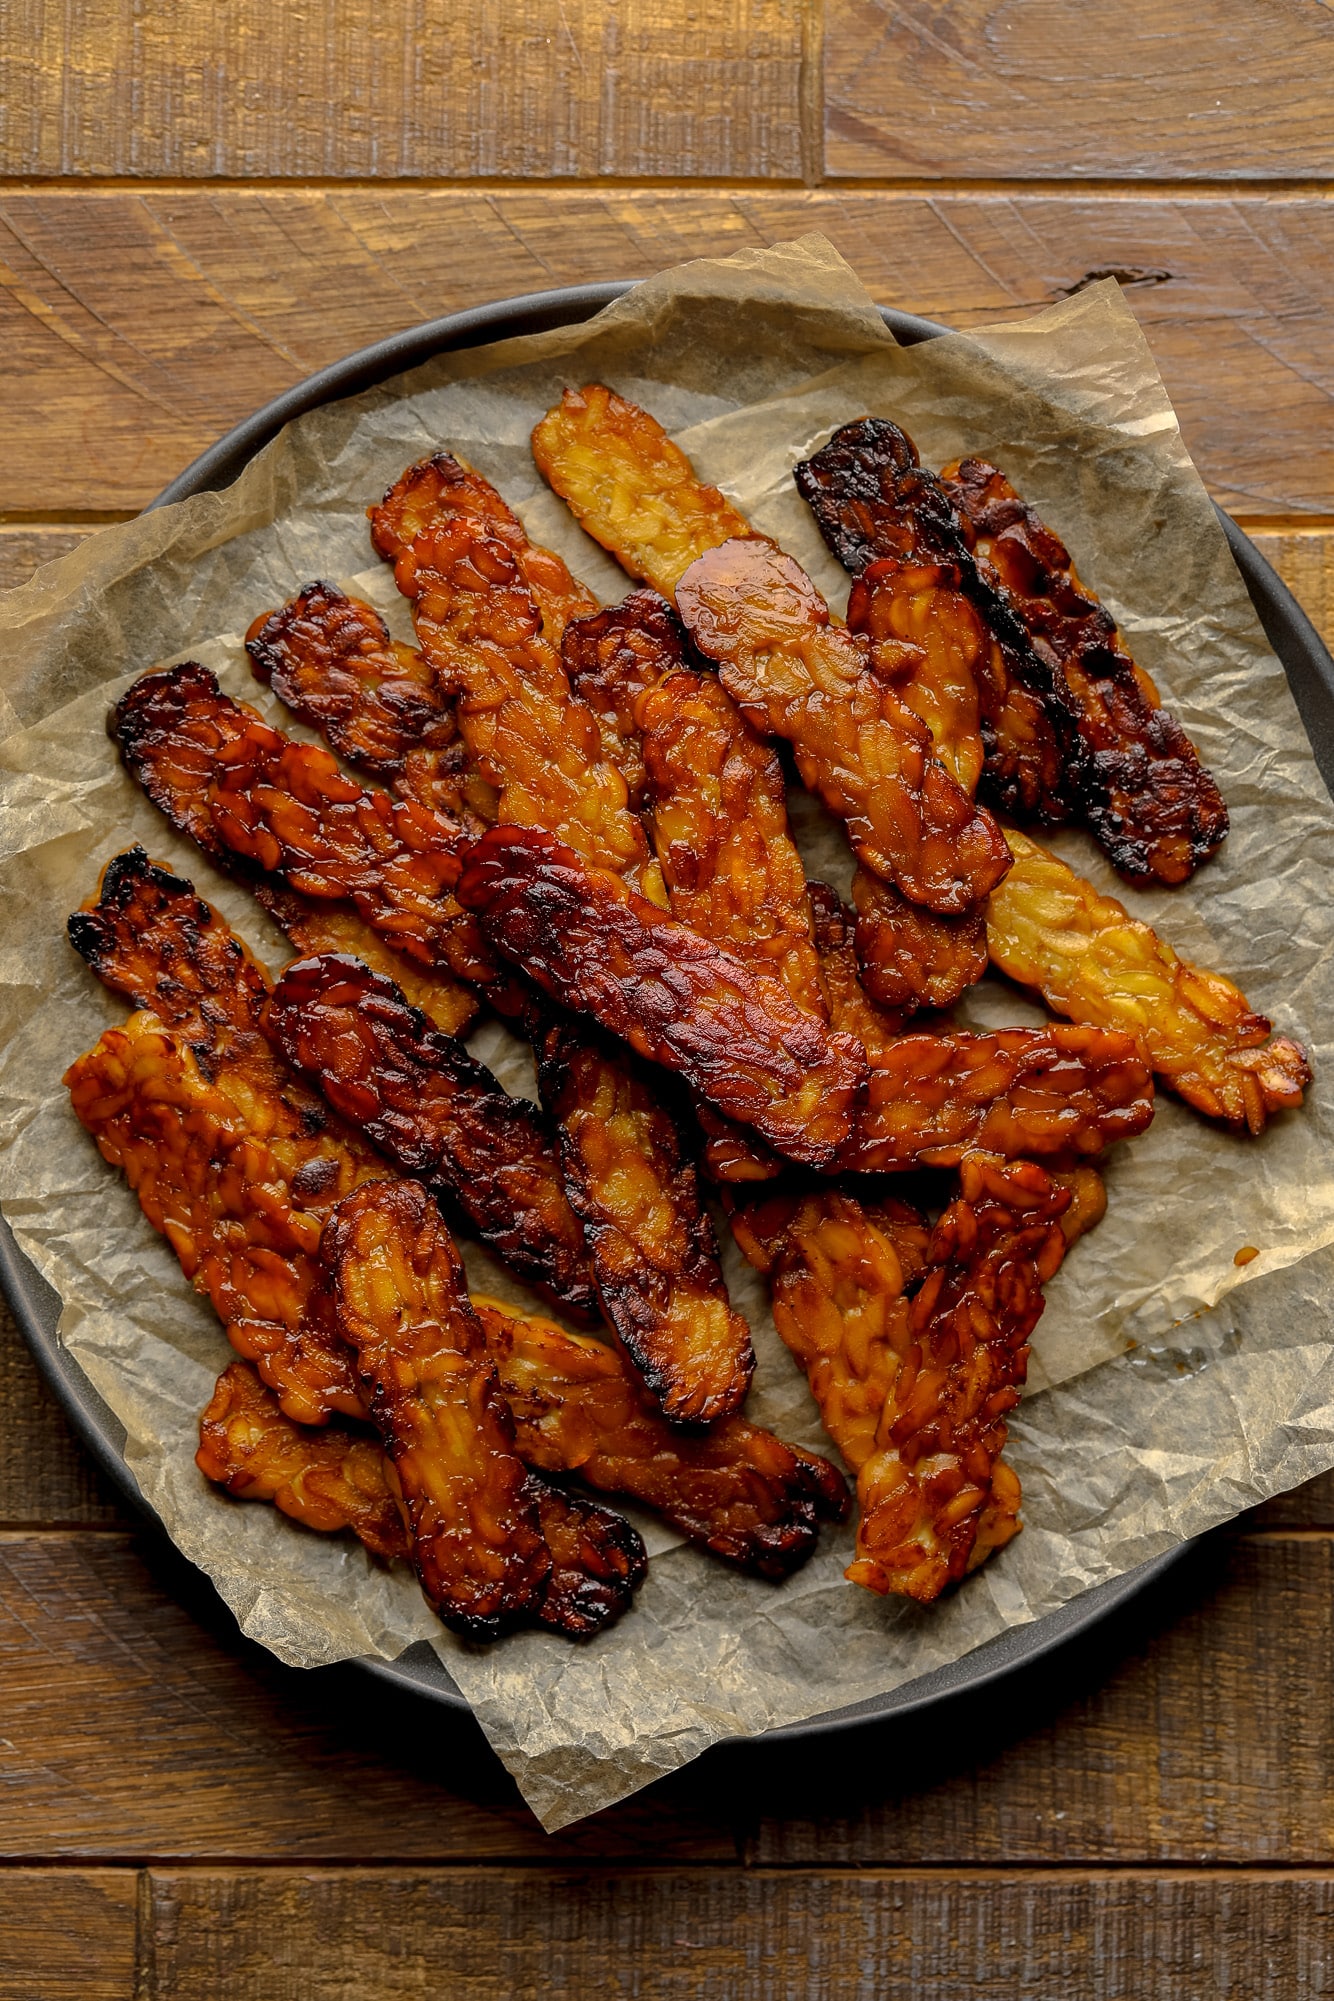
[1310, 672]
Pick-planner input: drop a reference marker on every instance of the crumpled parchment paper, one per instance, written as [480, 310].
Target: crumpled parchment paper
[1174, 1387]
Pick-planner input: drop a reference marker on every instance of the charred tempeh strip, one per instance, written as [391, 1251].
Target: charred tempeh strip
[629, 486]
[1092, 961]
[734, 1489]
[490, 609]
[241, 789]
[1142, 791]
[438, 1113]
[330, 1479]
[872, 498]
[400, 1302]
[1016, 1092]
[796, 675]
[910, 958]
[338, 1478]
[675, 998]
[242, 1212]
[331, 659]
[650, 1238]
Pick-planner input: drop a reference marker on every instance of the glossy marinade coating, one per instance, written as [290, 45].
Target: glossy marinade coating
[436, 1112]
[332, 661]
[1141, 788]
[338, 1478]
[401, 1304]
[872, 498]
[851, 1009]
[312, 927]
[490, 609]
[241, 789]
[629, 486]
[718, 811]
[650, 1238]
[677, 999]
[613, 657]
[329, 1479]
[797, 675]
[734, 1489]
[928, 643]
[915, 1344]
[1016, 1092]
[1089, 959]
[911, 958]
[239, 1181]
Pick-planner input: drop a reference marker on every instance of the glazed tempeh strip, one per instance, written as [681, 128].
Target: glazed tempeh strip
[311, 927]
[1016, 1092]
[1143, 793]
[239, 1182]
[401, 1304]
[928, 643]
[797, 675]
[329, 1479]
[915, 1345]
[734, 1489]
[650, 1238]
[490, 609]
[437, 1113]
[909, 957]
[1092, 961]
[632, 489]
[677, 999]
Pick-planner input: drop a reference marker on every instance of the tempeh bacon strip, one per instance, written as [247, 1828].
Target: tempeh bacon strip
[735, 1489]
[311, 927]
[797, 675]
[915, 1345]
[489, 609]
[329, 1479]
[928, 643]
[873, 499]
[909, 957]
[650, 1238]
[1143, 792]
[478, 1543]
[629, 486]
[1090, 960]
[677, 999]
[436, 1112]
[401, 1304]
[612, 658]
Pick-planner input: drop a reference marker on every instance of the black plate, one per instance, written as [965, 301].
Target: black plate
[36, 1307]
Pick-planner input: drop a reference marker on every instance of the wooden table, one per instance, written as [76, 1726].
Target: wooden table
[202, 203]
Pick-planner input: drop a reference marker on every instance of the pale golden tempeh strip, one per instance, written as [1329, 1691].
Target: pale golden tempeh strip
[1092, 961]
[630, 487]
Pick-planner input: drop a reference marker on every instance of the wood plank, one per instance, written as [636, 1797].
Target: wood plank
[347, 87]
[1192, 1727]
[137, 328]
[751, 1936]
[46, 1477]
[67, 1934]
[22, 550]
[994, 90]
[134, 1722]
[1305, 561]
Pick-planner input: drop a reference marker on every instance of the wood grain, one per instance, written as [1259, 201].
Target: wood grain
[136, 1722]
[1125, 1751]
[342, 88]
[46, 1478]
[138, 328]
[884, 1936]
[1016, 89]
[68, 1934]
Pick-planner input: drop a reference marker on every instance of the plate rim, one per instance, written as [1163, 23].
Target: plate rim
[36, 1305]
